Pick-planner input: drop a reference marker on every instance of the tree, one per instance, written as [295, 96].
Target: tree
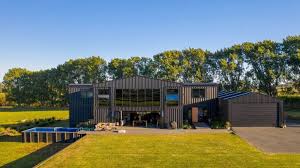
[147, 67]
[122, 68]
[80, 71]
[50, 87]
[10, 81]
[1, 87]
[232, 69]
[194, 63]
[267, 65]
[291, 47]
[169, 65]
[2, 99]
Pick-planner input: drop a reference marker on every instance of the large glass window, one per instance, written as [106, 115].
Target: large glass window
[85, 94]
[133, 97]
[119, 95]
[103, 97]
[126, 97]
[198, 93]
[137, 97]
[148, 101]
[156, 97]
[172, 97]
[141, 97]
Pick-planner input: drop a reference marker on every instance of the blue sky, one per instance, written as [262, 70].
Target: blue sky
[40, 34]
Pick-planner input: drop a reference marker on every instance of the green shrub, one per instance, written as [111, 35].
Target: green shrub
[88, 124]
[8, 132]
[290, 98]
[186, 125]
[34, 123]
[218, 124]
[2, 99]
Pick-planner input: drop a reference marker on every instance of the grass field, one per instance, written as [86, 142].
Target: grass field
[13, 152]
[184, 150]
[17, 117]
[293, 114]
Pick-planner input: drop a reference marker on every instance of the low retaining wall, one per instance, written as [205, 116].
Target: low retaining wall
[50, 137]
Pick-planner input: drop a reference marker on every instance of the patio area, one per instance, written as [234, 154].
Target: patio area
[141, 130]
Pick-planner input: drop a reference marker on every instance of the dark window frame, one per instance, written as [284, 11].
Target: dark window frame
[118, 98]
[86, 94]
[155, 97]
[169, 93]
[141, 97]
[198, 92]
[137, 97]
[126, 97]
[133, 97]
[103, 97]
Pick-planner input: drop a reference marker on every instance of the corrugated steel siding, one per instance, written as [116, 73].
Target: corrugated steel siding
[254, 98]
[173, 114]
[169, 114]
[137, 82]
[210, 99]
[211, 92]
[258, 108]
[258, 115]
[80, 110]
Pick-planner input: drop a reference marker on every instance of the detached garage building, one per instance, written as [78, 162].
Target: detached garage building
[248, 109]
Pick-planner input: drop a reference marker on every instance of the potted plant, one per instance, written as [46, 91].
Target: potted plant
[228, 125]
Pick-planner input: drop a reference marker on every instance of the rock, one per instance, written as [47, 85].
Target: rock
[174, 125]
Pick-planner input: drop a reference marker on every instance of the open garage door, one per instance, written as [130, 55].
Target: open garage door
[254, 115]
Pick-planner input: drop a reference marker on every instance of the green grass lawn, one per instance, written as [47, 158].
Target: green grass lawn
[293, 113]
[7, 117]
[14, 153]
[182, 150]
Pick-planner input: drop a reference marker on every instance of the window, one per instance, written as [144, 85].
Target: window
[137, 97]
[126, 97]
[86, 94]
[172, 97]
[119, 97]
[141, 97]
[103, 97]
[133, 97]
[198, 93]
[148, 101]
[156, 97]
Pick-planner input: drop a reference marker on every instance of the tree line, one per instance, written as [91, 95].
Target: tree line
[260, 66]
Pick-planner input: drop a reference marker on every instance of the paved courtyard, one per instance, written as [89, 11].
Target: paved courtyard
[273, 140]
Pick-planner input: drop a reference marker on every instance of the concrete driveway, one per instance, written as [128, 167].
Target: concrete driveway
[270, 139]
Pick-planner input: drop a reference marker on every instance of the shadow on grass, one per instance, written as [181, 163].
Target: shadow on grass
[6, 138]
[38, 156]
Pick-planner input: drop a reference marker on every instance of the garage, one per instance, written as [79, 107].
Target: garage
[249, 109]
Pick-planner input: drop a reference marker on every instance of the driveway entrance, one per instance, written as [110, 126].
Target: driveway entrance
[271, 139]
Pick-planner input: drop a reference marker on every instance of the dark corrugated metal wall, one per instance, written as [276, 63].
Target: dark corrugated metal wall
[265, 107]
[253, 115]
[211, 92]
[137, 82]
[81, 110]
[168, 114]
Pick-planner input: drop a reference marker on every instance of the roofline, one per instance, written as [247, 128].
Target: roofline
[200, 84]
[75, 84]
[142, 77]
[179, 83]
